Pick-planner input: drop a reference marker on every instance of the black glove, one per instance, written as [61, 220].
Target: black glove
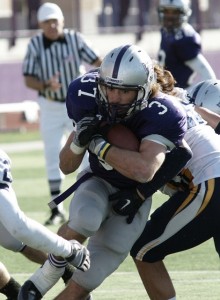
[127, 203]
[85, 129]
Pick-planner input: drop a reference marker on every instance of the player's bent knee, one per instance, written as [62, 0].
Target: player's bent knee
[90, 220]
[92, 282]
[120, 246]
[103, 263]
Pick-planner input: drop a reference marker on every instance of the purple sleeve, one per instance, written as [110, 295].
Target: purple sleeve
[164, 116]
[187, 43]
[188, 47]
[81, 95]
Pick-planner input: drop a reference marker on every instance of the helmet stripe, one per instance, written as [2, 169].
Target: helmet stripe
[118, 61]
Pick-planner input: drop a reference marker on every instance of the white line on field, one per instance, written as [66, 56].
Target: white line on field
[202, 272]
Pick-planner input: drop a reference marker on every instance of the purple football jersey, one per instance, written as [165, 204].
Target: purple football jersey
[163, 116]
[176, 48]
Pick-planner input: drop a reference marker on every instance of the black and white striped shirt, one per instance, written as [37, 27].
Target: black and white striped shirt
[45, 58]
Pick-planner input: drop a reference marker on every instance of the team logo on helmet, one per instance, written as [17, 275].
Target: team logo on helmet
[110, 80]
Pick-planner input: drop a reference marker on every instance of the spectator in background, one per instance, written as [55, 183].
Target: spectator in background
[117, 10]
[123, 11]
[144, 7]
[180, 47]
[54, 58]
[110, 8]
[33, 6]
[196, 17]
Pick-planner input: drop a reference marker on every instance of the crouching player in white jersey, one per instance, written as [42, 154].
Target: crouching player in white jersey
[191, 215]
[20, 233]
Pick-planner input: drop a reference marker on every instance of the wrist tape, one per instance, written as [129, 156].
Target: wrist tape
[76, 149]
[104, 148]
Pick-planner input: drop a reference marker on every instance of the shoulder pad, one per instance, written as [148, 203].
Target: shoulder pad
[81, 95]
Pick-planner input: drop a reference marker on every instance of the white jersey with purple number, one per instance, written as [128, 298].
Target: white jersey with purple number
[197, 135]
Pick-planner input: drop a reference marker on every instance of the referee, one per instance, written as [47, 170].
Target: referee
[53, 59]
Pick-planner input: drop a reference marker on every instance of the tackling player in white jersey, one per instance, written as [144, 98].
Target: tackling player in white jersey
[191, 215]
[17, 230]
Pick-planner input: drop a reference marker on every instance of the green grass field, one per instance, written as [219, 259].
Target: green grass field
[195, 273]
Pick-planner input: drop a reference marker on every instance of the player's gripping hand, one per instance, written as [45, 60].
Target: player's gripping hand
[99, 146]
[85, 129]
[79, 257]
[127, 203]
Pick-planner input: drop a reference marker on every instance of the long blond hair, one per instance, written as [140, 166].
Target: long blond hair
[165, 81]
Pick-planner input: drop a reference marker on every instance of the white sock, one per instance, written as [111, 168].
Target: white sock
[55, 262]
[46, 277]
[174, 298]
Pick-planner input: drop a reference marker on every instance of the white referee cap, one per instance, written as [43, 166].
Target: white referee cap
[49, 11]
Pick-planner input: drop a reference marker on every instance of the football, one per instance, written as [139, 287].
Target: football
[122, 137]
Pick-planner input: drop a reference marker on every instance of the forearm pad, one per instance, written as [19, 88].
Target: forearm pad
[172, 165]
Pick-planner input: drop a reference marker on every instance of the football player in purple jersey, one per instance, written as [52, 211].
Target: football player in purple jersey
[180, 46]
[127, 90]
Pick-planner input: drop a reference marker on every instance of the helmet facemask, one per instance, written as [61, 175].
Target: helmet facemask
[114, 113]
[171, 22]
[180, 10]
